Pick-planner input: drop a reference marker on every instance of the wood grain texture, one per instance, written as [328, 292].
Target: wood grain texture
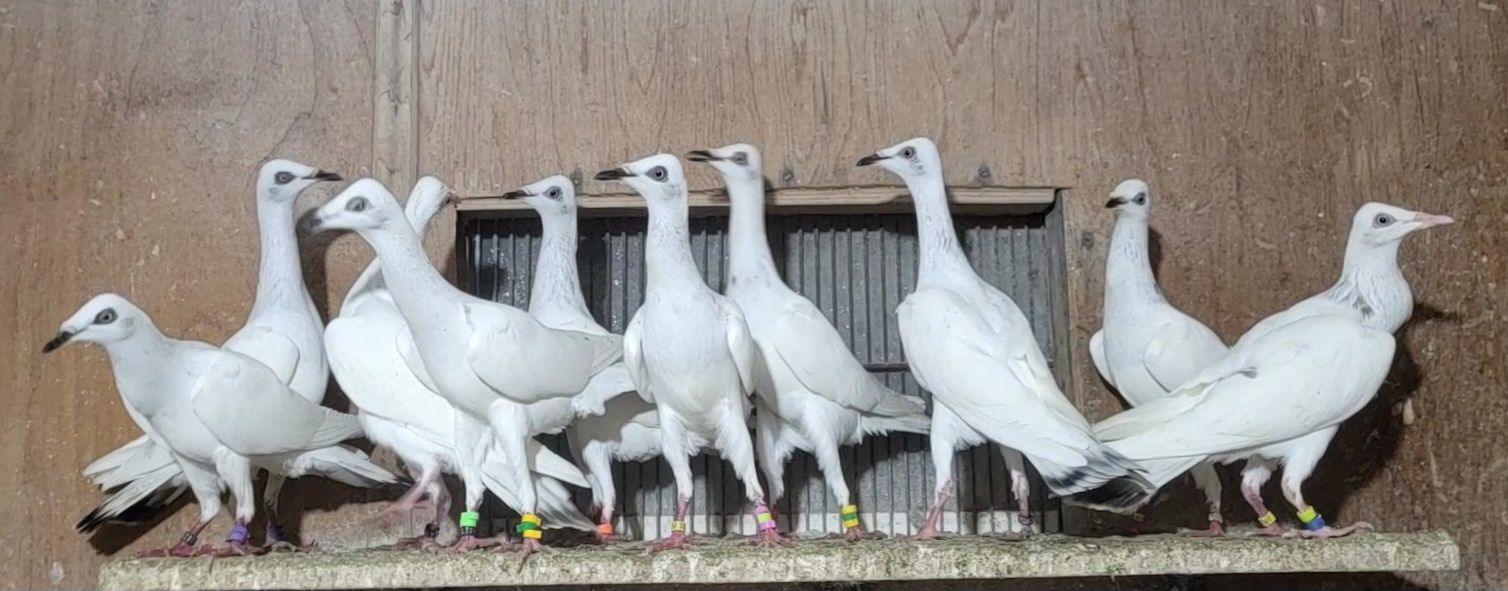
[1261, 127]
[131, 133]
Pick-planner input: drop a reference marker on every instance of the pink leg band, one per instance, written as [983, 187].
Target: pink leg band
[763, 517]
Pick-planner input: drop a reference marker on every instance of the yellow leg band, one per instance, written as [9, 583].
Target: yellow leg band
[1308, 514]
[533, 534]
[531, 518]
[678, 525]
[1267, 519]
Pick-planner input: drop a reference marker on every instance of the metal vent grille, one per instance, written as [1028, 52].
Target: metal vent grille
[857, 269]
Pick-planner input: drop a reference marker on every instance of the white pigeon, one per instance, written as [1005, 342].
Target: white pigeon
[971, 346]
[219, 414]
[1147, 348]
[399, 412]
[493, 362]
[813, 395]
[282, 331]
[621, 428]
[1311, 366]
[689, 349]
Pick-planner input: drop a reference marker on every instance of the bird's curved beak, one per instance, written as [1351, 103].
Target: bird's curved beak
[614, 174]
[518, 194]
[871, 159]
[1115, 202]
[451, 197]
[323, 175]
[311, 224]
[58, 341]
[1429, 220]
[701, 156]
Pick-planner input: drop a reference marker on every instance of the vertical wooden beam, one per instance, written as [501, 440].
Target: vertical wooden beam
[395, 96]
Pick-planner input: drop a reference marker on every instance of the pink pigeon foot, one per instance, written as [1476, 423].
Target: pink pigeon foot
[1334, 532]
[770, 538]
[179, 550]
[677, 540]
[467, 543]
[231, 549]
[1215, 530]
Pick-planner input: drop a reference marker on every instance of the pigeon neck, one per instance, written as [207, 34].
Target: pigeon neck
[935, 237]
[1372, 283]
[371, 278]
[1128, 268]
[557, 284]
[667, 249]
[749, 256]
[144, 348]
[280, 275]
[406, 270]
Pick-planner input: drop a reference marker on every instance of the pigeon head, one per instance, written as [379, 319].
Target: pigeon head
[553, 196]
[1380, 224]
[280, 181]
[426, 199]
[363, 206]
[736, 162]
[1130, 198]
[104, 319]
[658, 178]
[913, 159]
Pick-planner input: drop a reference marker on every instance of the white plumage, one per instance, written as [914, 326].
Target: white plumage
[218, 413]
[971, 346]
[491, 361]
[1147, 347]
[688, 348]
[616, 427]
[1311, 367]
[813, 394]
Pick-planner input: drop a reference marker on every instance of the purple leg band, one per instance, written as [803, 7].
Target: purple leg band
[238, 534]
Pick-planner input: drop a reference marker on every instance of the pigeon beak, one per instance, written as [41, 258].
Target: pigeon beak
[701, 156]
[1115, 202]
[321, 175]
[57, 342]
[872, 159]
[310, 225]
[1429, 220]
[519, 194]
[451, 197]
[614, 174]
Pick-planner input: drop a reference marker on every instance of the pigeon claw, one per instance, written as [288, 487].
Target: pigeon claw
[179, 550]
[770, 539]
[1336, 532]
[1215, 530]
[232, 549]
[675, 541]
[469, 543]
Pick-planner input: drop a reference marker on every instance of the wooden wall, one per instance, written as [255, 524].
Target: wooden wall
[1260, 125]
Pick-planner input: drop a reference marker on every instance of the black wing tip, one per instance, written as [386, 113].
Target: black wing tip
[1123, 494]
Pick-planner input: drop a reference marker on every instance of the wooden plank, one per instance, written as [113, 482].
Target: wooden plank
[794, 200]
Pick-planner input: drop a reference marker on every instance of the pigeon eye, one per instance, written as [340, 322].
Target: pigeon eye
[283, 178]
[908, 152]
[1141, 199]
[105, 316]
[657, 173]
[1381, 220]
[358, 205]
[740, 158]
[553, 193]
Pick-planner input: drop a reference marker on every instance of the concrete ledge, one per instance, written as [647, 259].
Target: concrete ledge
[727, 561]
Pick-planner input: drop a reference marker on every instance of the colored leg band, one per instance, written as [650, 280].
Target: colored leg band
[678, 526]
[431, 530]
[467, 530]
[188, 539]
[238, 534]
[533, 534]
[850, 516]
[469, 519]
[529, 522]
[605, 529]
[1267, 519]
[1312, 519]
[763, 518]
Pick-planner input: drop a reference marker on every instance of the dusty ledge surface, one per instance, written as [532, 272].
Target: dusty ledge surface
[729, 561]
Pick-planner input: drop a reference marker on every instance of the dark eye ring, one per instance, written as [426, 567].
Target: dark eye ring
[1383, 220]
[284, 178]
[740, 158]
[357, 204]
[1141, 199]
[657, 173]
[105, 316]
[908, 152]
[553, 193]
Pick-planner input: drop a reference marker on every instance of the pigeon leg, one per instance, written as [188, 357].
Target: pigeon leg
[236, 542]
[1021, 489]
[1252, 478]
[235, 470]
[828, 461]
[1295, 472]
[1209, 481]
[273, 535]
[738, 449]
[942, 465]
[184, 548]
[673, 438]
[510, 425]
